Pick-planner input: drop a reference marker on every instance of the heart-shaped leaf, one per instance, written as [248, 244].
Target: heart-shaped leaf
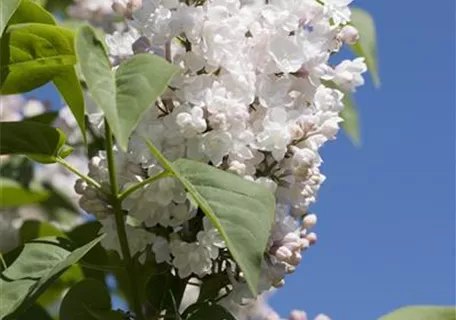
[123, 95]
[367, 45]
[39, 264]
[88, 300]
[241, 210]
[422, 313]
[7, 8]
[36, 140]
[13, 194]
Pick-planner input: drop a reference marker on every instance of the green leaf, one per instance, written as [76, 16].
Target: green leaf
[39, 264]
[13, 194]
[88, 300]
[422, 313]
[33, 229]
[241, 210]
[29, 11]
[83, 234]
[70, 88]
[45, 118]
[32, 54]
[164, 291]
[7, 8]
[211, 286]
[207, 311]
[367, 45]
[351, 121]
[123, 95]
[17, 168]
[36, 312]
[40, 142]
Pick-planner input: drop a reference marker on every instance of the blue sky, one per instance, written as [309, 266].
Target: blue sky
[387, 211]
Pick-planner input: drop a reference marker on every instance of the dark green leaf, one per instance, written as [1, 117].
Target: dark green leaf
[87, 300]
[123, 95]
[36, 312]
[18, 168]
[367, 45]
[70, 88]
[83, 234]
[13, 194]
[45, 118]
[211, 286]
[207, 311]
[39, 264]
[29, 11]
[241, 210]
[7, 8]
[33, 229]
[422, 313]
[32, 54]
[36, 140]
[164, 291]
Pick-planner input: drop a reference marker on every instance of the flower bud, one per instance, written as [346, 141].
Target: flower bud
[80, 186]
[297, 315]
[309, 221]
[312, 237]
[295, 259]
[349, 34]
[126, 7]
[283, 253]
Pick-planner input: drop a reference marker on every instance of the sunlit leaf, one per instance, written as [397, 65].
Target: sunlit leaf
[241, 210]
[351, 119]
[367, 45]
[7, 8]
[28, 11]
[123, 95]
[36, 140]
[422, 313]
[32, 54]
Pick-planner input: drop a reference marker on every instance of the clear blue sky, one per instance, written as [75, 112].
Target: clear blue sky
[387, 211]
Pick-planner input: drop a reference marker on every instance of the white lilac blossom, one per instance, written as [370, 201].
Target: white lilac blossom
[251, 99]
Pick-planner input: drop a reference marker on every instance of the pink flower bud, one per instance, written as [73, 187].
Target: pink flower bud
[297, 315]
[349, 34]
[312, 237]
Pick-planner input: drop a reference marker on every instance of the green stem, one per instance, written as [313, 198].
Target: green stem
[104, 268]
[139, 185]
[88, 179]
[120, 224]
